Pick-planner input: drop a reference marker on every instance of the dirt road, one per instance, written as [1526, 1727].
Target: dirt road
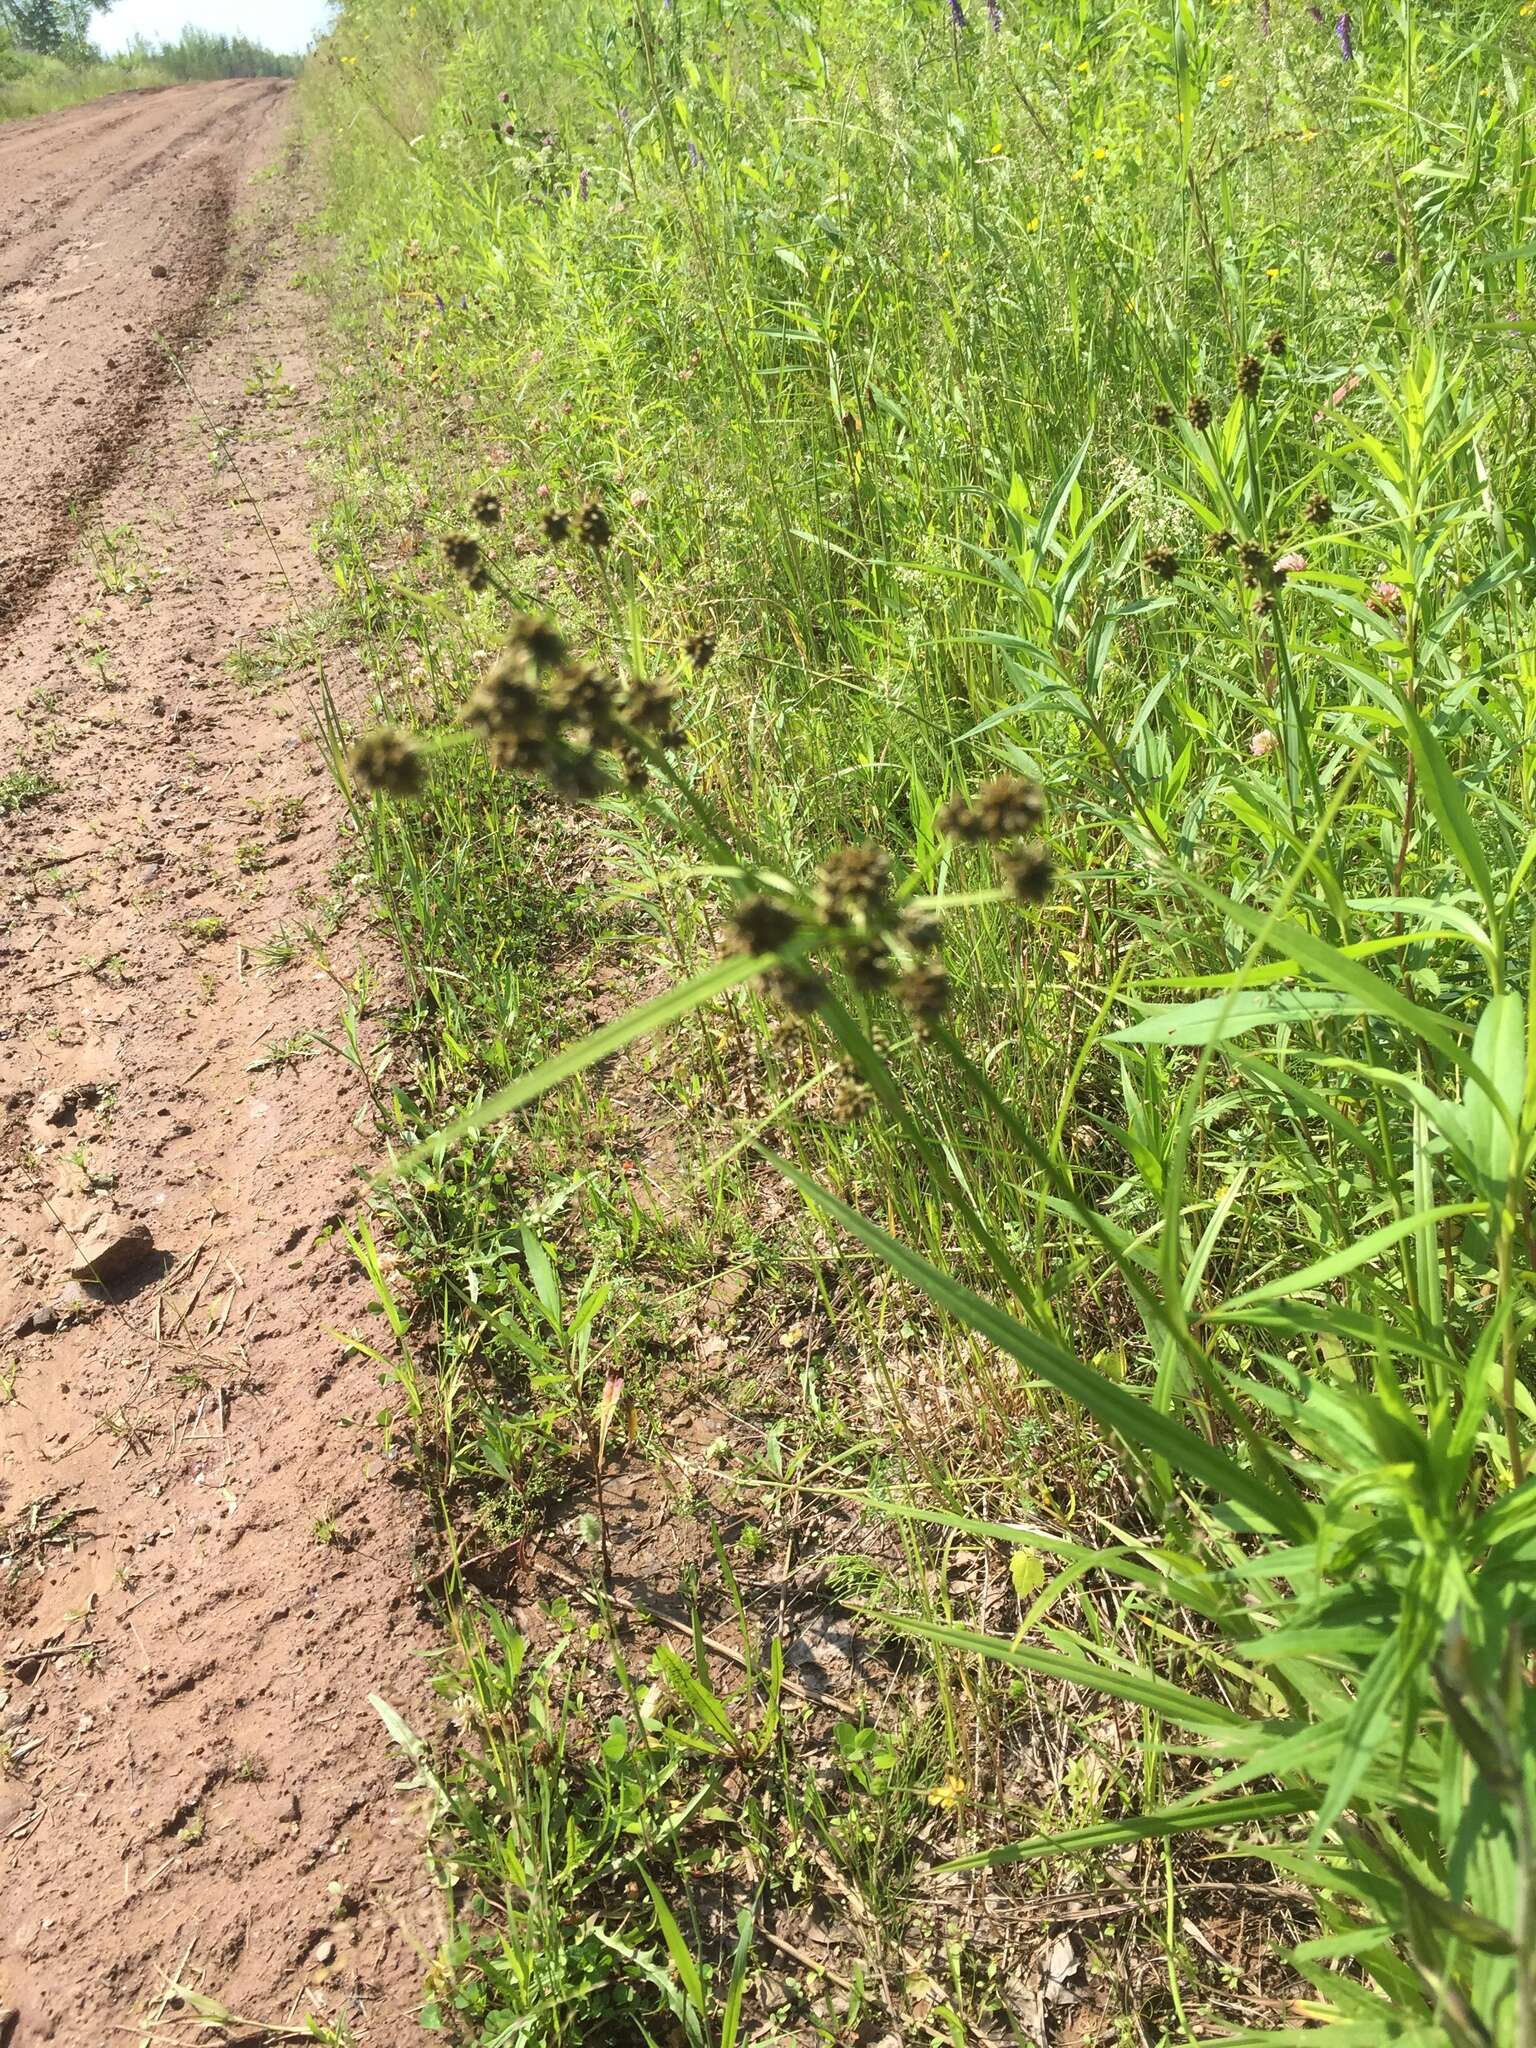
[205, 1567]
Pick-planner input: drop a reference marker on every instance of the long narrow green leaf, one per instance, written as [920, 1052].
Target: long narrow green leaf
[1345, 1260]
[1133, 1418]
[1187, 1709]
[586, 1052]
[1145, 1827]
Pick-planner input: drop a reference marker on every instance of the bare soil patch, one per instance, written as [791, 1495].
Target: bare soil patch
[205, 1565]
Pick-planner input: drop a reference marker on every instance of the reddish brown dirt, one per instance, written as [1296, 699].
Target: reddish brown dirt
[204, 1566]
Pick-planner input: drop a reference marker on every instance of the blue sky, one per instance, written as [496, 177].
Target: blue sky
[280, 24]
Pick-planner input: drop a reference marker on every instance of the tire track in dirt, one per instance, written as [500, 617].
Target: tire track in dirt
[205, 1567]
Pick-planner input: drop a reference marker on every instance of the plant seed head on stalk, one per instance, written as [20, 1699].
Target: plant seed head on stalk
[759, 924]
[539, 639]
[956, 820]
[1250, 376]
[801, 992]
[1255, 563]
[700, 648]
[1029, 873]
[584, 696]
[1318, 510]
[921, 930]
[1163, 563]
[1162, 414]
[465, 559]
[557, 527]
[869, 965]
[593, 526]
[634, 767]
[485, 507]
[924, 991]
[652, 707]
[1263, 605]
[1222, 541]
[388, 761]
[1007, 806]
[851, 1099]
[1275, 342]
[1198, 412]
[853, 884]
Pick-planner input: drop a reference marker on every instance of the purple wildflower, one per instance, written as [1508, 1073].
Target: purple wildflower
[695, 155]
[1346, 40]
[957, 13]
[995, 17]
[437, 300]
[584, 183]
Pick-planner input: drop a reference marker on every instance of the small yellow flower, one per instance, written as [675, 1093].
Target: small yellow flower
[997, 149]
[1273, 270]
[1099, 155]
[1084, 65]
[1309, 135]
[1034, 226]
[1179, 117]
[949, 1794]
[1079, 175]
[1225, 80]
[1485, 93]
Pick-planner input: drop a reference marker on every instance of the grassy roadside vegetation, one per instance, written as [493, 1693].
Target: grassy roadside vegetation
[948, 597]
[42, 82]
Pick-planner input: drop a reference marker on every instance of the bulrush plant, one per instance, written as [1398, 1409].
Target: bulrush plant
[1037, 517]
[1339, 1525]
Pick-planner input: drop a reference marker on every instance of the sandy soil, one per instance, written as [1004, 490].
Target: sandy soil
[205, 1563]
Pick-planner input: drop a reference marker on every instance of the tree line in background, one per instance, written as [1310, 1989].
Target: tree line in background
[52, 37]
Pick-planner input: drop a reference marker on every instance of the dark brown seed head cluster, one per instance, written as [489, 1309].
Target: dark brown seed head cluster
[1258, 570]
[593, 526]
[1162, 415]
[920, 930]
[1198, 412]
[924, 991]
[1007, 806]
[485, 508]
[760, 924]
[1002, 811]
[801, 992]
[466, 560]
[388, 761]
[1318, 510]
[700, 648]
[652, 709]
[1250, 377]
[1163, 563]
[853, 886]
[557, 527]
[585, 698]
[557, 727]
[1001, 808]
[1028, 873]
[538, 638]
[1222, 541]
[1274, 342]
[509, 713]
[851, 1098]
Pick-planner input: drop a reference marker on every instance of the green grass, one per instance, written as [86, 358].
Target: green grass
[1086, 463]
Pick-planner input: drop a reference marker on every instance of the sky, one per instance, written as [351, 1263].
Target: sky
[279, 24]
